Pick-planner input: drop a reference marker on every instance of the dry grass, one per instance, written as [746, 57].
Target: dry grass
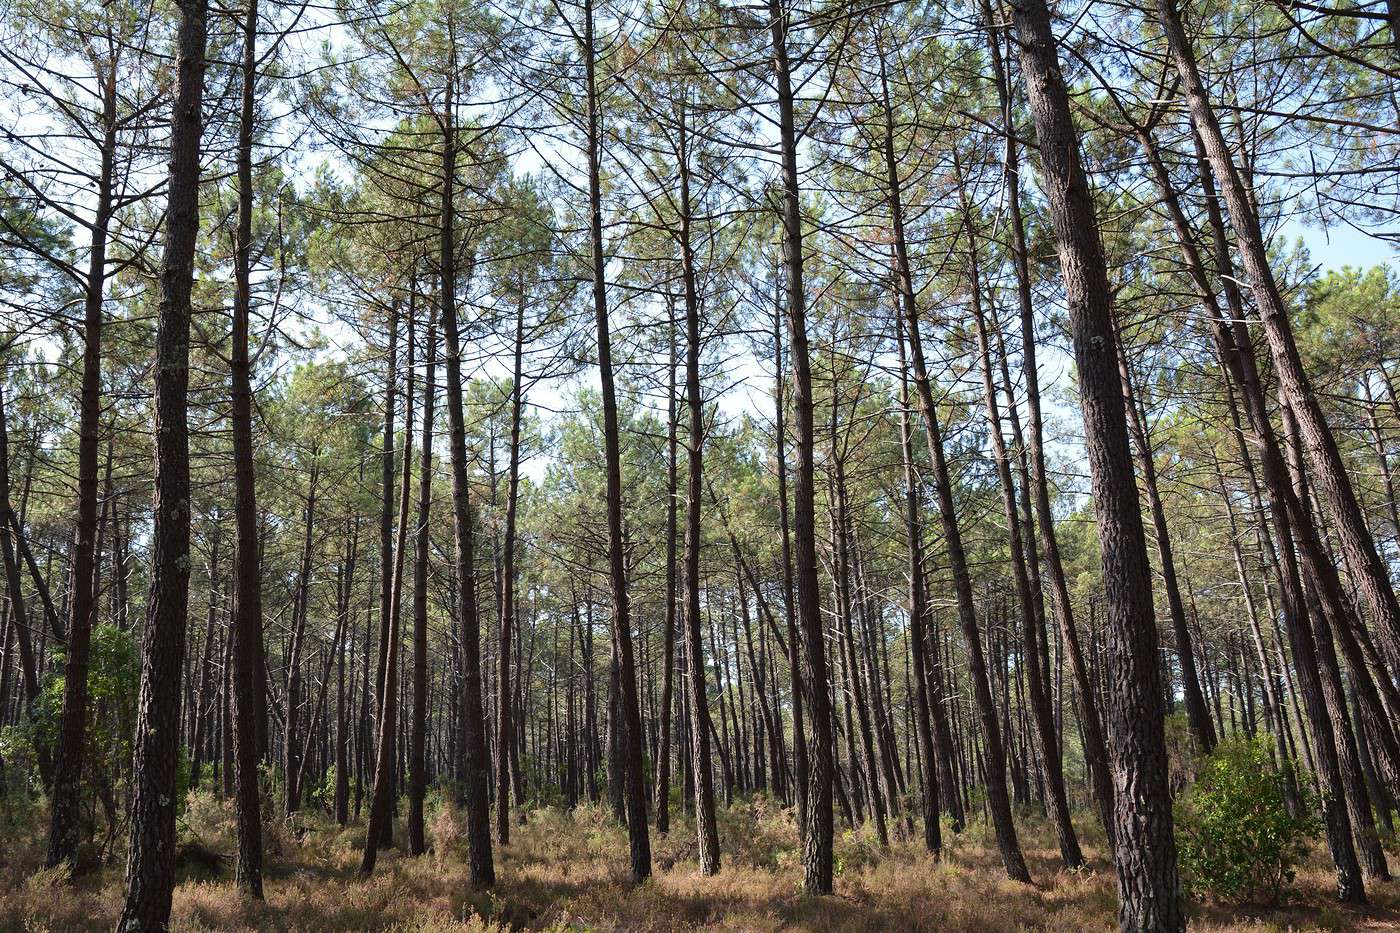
[567, 871]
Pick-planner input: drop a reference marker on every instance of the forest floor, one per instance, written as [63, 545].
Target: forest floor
[566, 871]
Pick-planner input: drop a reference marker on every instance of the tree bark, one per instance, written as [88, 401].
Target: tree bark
[1148, 885]
[638, 839]
[504, 714]
[999, 804]
[292, 764]
[705, 823]
[150, 865]
[417, 754]
[668, 651]
[817, 836]
[929, 754]
[1197, 716]
[64, 829]
[473, 757]
[382, 801]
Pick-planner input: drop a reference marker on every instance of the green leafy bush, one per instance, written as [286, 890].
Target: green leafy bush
[114, 675]
[1237, 841]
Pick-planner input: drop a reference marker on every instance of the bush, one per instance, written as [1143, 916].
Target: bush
[1237, 840]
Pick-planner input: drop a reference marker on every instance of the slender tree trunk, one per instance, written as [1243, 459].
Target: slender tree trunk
[19, 614]
[382, 802]
[1043, 730]
[417, 760]
[1235, 347]
[342, 717]
[150, 866]
[247, 633]
[292, 763]
[1091, 723]
[386, 559]
[64, 828]
[1197, 715]
[668, 651]
[706, 825]
[995, 760]
[1357, 800]
[638, 838]
[799, 727]
[818, 830]
[473, 754]
[203, 700]
[918, 616]
[504, 714]
[855, 693]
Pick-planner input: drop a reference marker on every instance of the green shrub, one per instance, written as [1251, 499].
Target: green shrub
[1237, 841]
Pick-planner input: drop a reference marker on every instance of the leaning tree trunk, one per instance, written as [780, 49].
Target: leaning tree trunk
[1090, 720]
[1148, 885]
[18, 610]
[1236, 350]
[1197, 715]
[994, 761]
[1330, 475]
[1043, 721]
[929, 754]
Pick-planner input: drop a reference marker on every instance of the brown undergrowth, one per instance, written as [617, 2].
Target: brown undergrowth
[567, 871]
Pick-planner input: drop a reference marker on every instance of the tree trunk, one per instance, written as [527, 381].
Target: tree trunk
[1148, 885]
[1043, 730]
[706, 826]
[202, 698]
[1090, 721]
[817, 835]
[382, 802]
[995, 760]
[18, 611]
[638, 838]
[417, 761]
[1197, 715]
[473, 757]
[504, 715]
[292, 764]
[150, 865]
[386, 560]
[668, 651]
[1235, 347]
[1330, 475]
[918, 617]
[64, 828]
[799, 727]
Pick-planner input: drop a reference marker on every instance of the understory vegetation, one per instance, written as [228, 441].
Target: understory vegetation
[566, 871]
